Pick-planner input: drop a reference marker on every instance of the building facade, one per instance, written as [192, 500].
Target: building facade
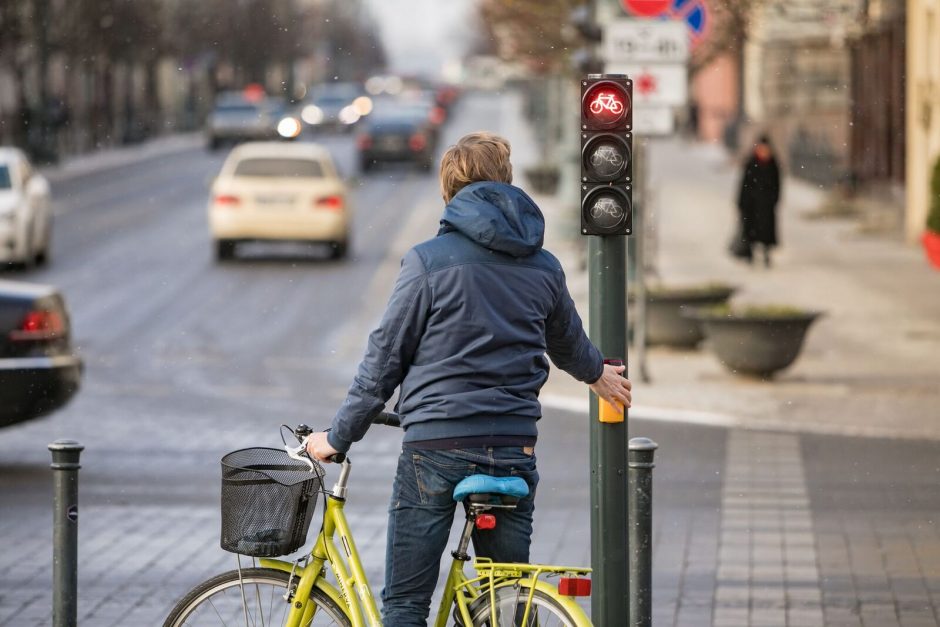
[923, 109]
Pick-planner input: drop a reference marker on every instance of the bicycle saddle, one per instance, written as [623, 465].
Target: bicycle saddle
[513, 487]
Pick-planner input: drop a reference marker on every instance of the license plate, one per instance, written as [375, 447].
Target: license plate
[275, 200]
[392, 143]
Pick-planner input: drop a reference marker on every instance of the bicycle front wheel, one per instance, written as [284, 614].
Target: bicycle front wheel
[510, 610]
[254, 600]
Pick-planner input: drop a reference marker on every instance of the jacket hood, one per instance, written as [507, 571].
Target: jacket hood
[497, 216]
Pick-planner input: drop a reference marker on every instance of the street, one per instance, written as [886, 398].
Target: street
[187, 359]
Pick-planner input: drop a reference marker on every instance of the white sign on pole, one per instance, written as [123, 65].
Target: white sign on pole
[653, 121]
[655, 84]
[645, 41]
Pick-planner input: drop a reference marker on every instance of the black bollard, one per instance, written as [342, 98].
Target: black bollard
[640, 516]
[65, 454]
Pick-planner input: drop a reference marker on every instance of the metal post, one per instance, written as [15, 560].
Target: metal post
[641, 209]
[65, 454]
[607, 260]
[641, 531]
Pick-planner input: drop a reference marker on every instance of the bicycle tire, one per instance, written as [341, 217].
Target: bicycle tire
[212, 601]
[510, 604]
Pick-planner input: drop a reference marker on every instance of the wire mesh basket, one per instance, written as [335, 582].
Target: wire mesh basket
[268, 499]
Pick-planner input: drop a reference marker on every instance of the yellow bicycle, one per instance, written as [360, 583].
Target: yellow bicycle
[268, 497]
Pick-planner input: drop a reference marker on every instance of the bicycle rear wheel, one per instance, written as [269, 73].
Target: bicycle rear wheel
[255, 600]
[510, 609]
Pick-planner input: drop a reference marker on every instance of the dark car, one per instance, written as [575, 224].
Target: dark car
[398, 135]
[39, 371]
[334, 107]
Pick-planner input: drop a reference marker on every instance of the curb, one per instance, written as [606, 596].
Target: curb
[714, 419]
[83, 164]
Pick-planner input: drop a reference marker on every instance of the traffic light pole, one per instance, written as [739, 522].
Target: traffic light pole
[607, 264]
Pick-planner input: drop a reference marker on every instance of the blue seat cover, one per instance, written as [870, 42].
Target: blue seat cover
[485, 484]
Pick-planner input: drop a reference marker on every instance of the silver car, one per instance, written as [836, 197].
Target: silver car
[238, 118]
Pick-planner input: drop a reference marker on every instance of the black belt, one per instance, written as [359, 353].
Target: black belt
[476, 441]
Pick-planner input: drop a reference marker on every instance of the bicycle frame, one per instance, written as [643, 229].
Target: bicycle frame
[355, 594]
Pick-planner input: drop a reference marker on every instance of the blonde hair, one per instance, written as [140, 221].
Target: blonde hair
[475, 157]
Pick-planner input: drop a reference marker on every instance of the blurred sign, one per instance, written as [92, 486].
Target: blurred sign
[646, 8]
[653, 121]
[645, 41]
[655, 84]
[694, 14]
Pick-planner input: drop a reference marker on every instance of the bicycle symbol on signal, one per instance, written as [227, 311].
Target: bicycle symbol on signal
[608, 102]
[607, 154]
[606, 206]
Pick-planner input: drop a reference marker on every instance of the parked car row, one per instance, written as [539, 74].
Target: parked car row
[25, 214]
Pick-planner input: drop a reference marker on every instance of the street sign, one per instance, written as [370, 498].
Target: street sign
[645, 41]
[654, 121]
[646, 8]
[656, 84]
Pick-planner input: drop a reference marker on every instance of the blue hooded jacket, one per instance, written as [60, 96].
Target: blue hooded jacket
[465, 333]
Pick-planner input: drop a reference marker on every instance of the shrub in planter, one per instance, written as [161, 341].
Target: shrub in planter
[931, 237]
[756, 340]
[665, 324]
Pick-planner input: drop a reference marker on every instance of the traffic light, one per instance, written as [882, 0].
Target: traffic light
[606, 155]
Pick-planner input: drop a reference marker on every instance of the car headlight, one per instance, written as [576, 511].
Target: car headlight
[349, 115]
[288, 128]
[312, 114]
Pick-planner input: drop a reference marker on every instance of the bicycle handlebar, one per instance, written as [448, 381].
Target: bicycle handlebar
[388, 419]
[302, 432]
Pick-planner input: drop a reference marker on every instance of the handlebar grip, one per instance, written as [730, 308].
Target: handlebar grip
[387, 418]
[338, 458]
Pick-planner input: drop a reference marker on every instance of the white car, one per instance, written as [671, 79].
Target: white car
[25, 217]
[277, 191]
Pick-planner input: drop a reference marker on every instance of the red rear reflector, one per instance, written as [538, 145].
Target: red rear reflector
[574, 587]
[226, 199]
[486, 521]
[417, 142]
[364, 142]
[330, 202]
[39, 325]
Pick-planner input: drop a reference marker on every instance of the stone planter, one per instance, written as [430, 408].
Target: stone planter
[757, 342]
[665, 324]
[543, 179]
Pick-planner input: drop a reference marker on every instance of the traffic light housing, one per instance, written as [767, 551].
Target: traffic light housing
[606, 155]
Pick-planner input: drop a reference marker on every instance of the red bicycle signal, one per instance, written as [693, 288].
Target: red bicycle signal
[605, 105]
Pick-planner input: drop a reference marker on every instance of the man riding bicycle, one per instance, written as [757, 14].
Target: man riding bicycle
[473, 314]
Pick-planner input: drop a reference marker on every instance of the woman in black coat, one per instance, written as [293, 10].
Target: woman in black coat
[757, 201]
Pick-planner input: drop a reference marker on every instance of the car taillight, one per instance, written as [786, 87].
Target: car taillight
[364, 142]
[437, 116]
[417, 142]
[39, 324]
[574, 587]
[329, 202]
[227, 200]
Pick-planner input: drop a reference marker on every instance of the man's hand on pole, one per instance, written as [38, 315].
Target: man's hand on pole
[613, 387]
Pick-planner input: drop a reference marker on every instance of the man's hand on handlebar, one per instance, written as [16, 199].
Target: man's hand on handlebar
[319, 447]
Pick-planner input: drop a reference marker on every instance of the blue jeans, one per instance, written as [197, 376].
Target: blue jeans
[421, 514]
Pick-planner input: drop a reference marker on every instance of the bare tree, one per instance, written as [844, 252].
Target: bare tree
[531, 31]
